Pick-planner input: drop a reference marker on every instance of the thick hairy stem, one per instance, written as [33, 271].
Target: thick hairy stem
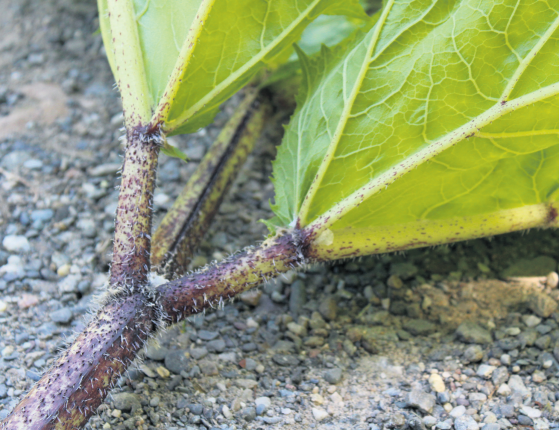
[132, 242]
[211, 287]
[184, 226]
[72, 390]
[69, 393]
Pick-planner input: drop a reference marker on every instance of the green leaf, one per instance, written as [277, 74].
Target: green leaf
[444, 111]
[197, 53]
[237, 39]
[172, 151]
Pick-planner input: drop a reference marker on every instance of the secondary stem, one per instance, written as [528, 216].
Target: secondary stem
[184, 225]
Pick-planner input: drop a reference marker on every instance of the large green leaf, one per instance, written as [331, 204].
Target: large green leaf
[445, 110]
[197, 53]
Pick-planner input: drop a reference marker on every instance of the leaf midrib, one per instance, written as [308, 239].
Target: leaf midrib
[301, 217]
[328, 218]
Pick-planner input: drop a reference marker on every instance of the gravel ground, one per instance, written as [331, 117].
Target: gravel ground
[462, 337]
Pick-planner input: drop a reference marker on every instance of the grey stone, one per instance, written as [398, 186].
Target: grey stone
[333, 376]
[248, 347]
[485, 371]
[3, 391]
[328, 308]
[126, 402]
[500, 376]
[176, 361]
[285, 360]
[42, 215]
[217, 345]
[196, 408]
[250, 364]
[156, 352]
[507, 410]
[419, 399]
[403, 270]
[543, 342]
[517, 385]
[473, 354]
[419, 327]
[33, 164]
[14, 159]
[21, 337]
[87, 227]
[260, 409]
[491, 426]
[208, 367]
[471, 332]
[105, 169]
[248, 414]
[69, 284]
[465, 422]
[62, 316]
[458, 411]
[523, 420]
[542, 304]
[207, 335]
[429, 421]
[198, 353]
[298, 297]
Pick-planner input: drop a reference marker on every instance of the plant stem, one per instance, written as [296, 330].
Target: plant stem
[215, 284]
[70, 392]
[132, 242]
[179, 234]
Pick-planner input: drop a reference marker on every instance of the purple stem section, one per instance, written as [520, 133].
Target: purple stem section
[71, 391]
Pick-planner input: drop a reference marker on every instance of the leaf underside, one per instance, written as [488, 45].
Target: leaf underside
[444, 109]
[237, 39]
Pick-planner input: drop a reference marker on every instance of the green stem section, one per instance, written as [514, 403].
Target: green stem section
[179, 234]
[132, 242]
[129, 64]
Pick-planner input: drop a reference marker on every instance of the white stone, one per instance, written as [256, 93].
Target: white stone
[317, 399]
[485, 370]
[319, 414]
[14, 243]
[3, 306]
[531, 412]
[541, 424]
[504, 390]
[263, 401]
[15, 265]
[226, 412]
[336, 398]
[458, 411]
[437, 383]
